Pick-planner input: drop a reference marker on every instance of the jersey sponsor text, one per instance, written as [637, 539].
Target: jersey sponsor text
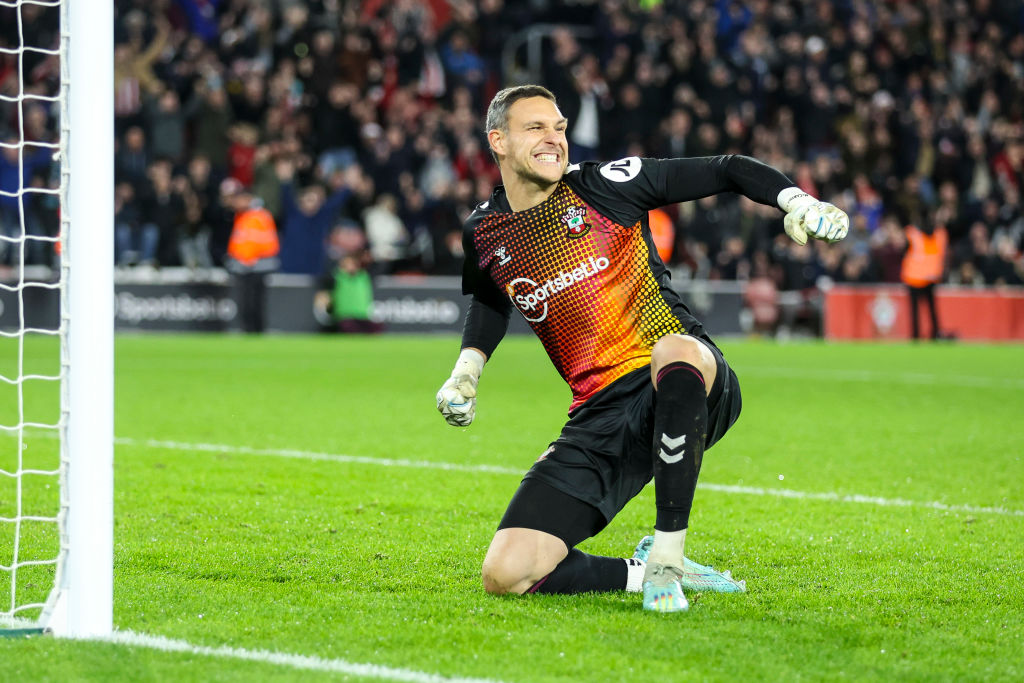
[529, 302]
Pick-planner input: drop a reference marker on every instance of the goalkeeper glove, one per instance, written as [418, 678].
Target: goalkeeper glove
[457, 397]
[805, 216]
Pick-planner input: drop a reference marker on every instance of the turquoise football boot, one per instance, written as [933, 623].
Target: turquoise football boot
[662, 591]
[695, 577]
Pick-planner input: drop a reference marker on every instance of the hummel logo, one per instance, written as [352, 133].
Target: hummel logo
[503, 258]
[675, 448]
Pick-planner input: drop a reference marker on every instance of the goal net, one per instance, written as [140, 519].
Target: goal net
[55, 317]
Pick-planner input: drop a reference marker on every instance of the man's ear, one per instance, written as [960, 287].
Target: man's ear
[496, 139]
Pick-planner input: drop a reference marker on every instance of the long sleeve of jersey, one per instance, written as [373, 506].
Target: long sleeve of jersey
[489, 310]
[485, 326]
[630, 187]
[682, 180]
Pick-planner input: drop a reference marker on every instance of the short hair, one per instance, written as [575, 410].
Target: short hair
[497, 111]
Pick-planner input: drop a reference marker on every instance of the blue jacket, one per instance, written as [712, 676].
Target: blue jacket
[303, 237]
[9, 173]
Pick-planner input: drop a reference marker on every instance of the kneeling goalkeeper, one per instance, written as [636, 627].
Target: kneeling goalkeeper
[570, 248]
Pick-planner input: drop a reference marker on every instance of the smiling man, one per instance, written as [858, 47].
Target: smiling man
[569, 247]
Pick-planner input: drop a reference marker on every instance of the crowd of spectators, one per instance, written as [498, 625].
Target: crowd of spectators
[360, 124]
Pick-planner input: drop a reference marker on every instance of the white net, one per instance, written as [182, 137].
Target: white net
[33, 86]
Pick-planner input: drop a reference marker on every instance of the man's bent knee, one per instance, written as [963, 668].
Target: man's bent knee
[676, 348]
[501, 576]
[519, 558]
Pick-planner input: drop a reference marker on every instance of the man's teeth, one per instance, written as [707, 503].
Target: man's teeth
[547, 158]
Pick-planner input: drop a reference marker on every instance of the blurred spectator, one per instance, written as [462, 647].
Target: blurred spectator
[309, 214]
[202, 17]
[385, 233]
[888, 245]
[131, 160]
[1007, 266]
[242, 152]
[162, 204]
[463, 66]
[345, 300]
[252, 254]
[166, 124]
[473, 162]
[762, 299]
[133, 242]
[923, 266]
[209, 113]
[437, 176]
[450, 255]
[347, 238]
[134, 75]
[205, 222]
[731, 262]
[19, 166]
[588, 107]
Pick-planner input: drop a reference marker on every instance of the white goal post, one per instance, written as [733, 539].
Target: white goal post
[84, 604]
[80, 601]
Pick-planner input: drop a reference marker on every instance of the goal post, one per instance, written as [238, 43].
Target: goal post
[56, 549]
[83, 606]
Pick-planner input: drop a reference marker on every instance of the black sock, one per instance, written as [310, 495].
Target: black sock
[680, 430]
[582, 573]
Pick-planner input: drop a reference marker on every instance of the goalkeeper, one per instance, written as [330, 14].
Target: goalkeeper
[570, 248]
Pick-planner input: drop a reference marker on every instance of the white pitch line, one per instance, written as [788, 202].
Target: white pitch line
[858, 498]
[495, 469]
[314, 455]
[304, 662]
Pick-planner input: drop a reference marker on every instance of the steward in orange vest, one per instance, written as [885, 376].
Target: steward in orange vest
[253, 237]
[925, 260]
[252, 253]
[923, 265]
[663, 232]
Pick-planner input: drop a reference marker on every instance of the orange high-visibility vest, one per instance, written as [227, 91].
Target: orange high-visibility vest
[925, 258]
[253, 237]
[663, 232]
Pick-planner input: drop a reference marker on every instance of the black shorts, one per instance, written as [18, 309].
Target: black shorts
[603, 457]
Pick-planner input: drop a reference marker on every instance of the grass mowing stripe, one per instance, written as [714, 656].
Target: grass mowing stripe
[294, 661]
[892, 377]
[494, 469]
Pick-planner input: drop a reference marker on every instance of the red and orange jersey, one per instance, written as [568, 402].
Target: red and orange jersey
[583, 283]
[582, 268]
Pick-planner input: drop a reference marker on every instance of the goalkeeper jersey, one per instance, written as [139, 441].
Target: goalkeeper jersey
[582, 269]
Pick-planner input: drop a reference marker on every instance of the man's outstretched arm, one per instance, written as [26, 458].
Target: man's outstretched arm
[686, 179]
[645, 184]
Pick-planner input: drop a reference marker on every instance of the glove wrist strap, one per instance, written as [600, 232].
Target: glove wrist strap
[793, 198]
[470, 362]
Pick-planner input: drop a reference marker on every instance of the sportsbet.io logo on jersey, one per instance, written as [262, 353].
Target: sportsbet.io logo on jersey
[532, 298]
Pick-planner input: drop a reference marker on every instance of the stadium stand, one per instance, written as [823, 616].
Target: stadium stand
[899, 112]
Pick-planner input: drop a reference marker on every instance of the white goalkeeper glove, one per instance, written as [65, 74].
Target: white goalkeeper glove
[457, 397]
[805, 216]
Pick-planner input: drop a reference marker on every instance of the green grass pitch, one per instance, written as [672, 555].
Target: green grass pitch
[289, 495]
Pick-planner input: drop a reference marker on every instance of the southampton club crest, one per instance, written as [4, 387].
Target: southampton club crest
[576, 221]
